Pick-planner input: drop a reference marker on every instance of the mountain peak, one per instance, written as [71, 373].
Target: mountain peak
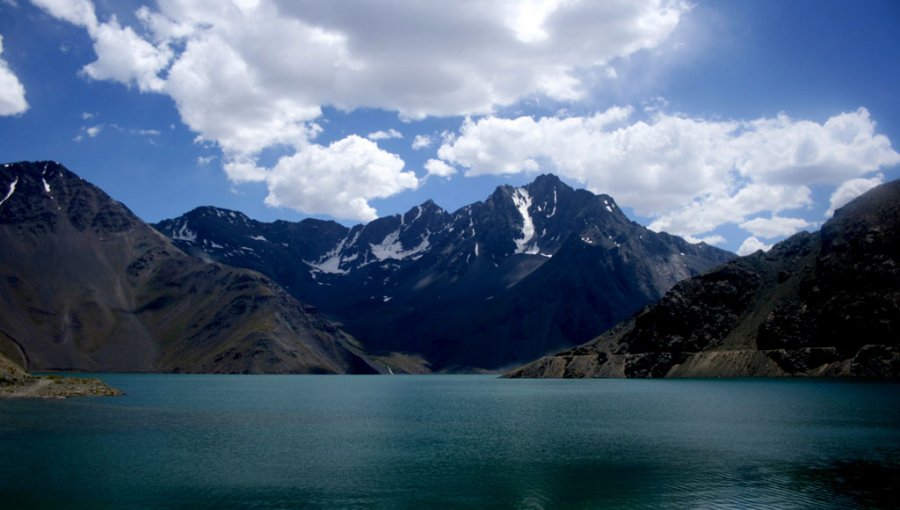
[547, 179]
[44, 194]
[205, 211]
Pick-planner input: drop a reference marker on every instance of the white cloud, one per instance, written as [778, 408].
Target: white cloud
[692, 175]
[711, 240]
[385, 135]
[711, 211]
[786, 151]
[12, 92]
[123, 56]
[77, 12]
[775, 226]
[752, 245]
[254, 75]
[421, 142]
[93, 131]
[849, 190]
[338, 179]
[241, 170]
[439, 168]
[87, 115]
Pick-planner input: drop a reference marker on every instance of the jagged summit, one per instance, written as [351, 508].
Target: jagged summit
[479, 287]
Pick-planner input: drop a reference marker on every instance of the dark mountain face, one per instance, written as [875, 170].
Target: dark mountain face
[86, 285]
[823, 304]
[528, 271]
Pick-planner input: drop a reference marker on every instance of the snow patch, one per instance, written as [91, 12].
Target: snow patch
[184, 234]
[259, 238]
[12, 189]
[522, 201]
[554, 205]
[330, 262]
[46, 186]
[608, 208]
[391, 247]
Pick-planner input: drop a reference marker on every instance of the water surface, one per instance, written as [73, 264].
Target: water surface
[201, 441]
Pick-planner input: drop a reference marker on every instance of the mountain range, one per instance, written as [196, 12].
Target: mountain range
[86, 285]
[817, 304]
[497, 283]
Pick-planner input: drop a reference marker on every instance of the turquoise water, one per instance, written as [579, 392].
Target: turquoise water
[186, 441]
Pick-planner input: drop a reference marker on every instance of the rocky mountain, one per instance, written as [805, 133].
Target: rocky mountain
[822, 304]
[528, 271]
[86, 285]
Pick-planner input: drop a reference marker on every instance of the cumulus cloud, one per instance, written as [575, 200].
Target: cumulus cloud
[254, 75]
[439, 168]
[752, 245]
[690, 174]
[849, 190]
[12, 92]
[775, 226]
[338, 179]
[385, 135]
[712, 239]
[421, 142]
[77, 12]
[711, 211]
[122, 55]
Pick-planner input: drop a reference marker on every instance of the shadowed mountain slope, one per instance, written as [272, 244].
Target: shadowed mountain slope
[86, 285]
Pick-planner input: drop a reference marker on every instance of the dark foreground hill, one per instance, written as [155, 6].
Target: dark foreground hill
[526, 272]
[86, 285]
[822, 304]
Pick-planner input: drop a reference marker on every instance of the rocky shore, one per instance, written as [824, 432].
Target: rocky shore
[15, 382]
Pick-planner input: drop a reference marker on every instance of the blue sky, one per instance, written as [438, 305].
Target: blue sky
[737, 123]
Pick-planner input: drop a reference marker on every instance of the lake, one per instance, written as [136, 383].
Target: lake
[208, 441]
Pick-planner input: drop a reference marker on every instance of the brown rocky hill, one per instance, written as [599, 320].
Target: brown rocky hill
[86, 285]
[821, 304]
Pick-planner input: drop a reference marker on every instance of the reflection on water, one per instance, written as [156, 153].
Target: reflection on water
[454, 441]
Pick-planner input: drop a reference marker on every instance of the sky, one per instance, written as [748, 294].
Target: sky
[735, 123]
